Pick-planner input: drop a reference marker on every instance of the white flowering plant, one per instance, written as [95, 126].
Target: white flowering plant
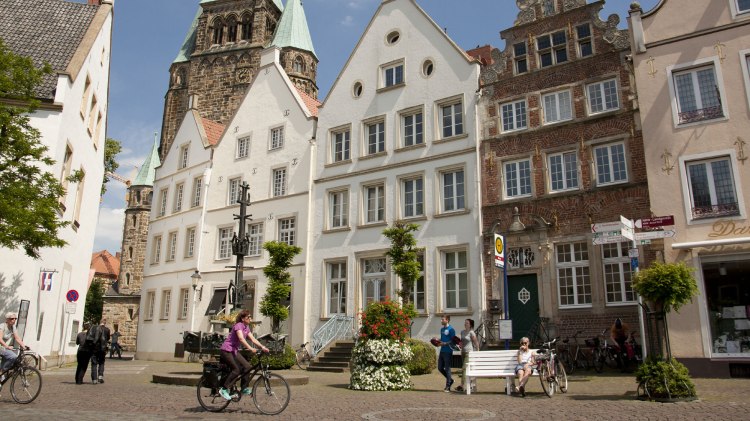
[382, 352]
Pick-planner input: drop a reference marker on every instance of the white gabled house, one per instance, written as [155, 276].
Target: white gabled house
[397, 140]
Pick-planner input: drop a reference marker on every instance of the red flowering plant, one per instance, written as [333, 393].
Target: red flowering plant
[386, 319]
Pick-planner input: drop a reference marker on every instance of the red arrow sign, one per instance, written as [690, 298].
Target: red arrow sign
[654, 222]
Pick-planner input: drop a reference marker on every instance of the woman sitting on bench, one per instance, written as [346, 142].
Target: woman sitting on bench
[525, 365]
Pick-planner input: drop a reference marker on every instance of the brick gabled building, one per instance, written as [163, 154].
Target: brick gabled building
[561, 150]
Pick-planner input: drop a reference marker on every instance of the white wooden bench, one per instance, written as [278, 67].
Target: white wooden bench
[493, 364]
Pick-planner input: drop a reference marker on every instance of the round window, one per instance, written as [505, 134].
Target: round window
[393, 37]
[428, 67]
[357, 90]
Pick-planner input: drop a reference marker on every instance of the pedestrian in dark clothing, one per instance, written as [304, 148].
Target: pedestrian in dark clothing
[115, 347]
[84, 353]
[100, 353]
[446, 351]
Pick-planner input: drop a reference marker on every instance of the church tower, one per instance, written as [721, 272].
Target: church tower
[221, 54]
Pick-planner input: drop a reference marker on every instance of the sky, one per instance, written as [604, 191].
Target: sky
[147, 36]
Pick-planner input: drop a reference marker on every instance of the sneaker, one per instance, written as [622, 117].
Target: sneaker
[523, 391]
[225, 394]
[447, 389]
[101, 379]
[247, 391]
[94, 381]
[460, 389]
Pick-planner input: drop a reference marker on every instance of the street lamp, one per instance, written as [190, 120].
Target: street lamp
[195, 278]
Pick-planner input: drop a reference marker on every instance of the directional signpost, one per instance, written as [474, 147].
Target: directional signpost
[653, 235]
[655, 222]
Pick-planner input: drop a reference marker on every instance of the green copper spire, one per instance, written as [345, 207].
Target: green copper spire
[189, 44]
[292, 30]
[147, 172]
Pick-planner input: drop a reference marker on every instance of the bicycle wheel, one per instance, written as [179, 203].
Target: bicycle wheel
[209, 397]
[545, 377]
[567, 361]
[303, 359]
[26, 385]
[30, 360]
[598, 360]
[271, 393]
[612, 359]
[562, 376]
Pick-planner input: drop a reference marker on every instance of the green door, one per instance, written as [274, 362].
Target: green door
[523, 304]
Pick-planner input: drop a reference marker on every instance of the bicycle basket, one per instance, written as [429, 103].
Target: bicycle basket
[212, 371]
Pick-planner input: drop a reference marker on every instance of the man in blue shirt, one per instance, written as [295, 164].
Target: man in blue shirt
[446, 351]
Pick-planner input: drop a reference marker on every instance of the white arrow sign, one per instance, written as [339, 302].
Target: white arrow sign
[652, 235]
[606, 226]
[608, 237]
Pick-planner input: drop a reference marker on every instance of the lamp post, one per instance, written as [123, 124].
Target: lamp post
[240, 245]
[195, 278]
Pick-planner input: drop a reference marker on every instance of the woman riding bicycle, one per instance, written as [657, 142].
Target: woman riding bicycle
[9, 335]
[231, 356]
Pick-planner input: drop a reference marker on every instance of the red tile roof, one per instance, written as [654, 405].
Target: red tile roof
[311, 103]
[213, 130]
[105, 265]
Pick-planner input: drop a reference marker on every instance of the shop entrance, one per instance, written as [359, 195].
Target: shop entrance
[727, 284]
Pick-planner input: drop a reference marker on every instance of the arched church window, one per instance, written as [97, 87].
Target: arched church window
[127, 279]
[218, 33]
[130, 252]
[133, 220]
[247, 28]
[270, 28]
[299, 65]
[231, 29]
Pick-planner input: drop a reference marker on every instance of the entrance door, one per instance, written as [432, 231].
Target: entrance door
[523, 303]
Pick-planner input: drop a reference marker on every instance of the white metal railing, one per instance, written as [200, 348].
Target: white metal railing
[337, 327]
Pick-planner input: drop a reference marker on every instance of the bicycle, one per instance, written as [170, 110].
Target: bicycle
[303, 356]
[25, 381]
[486, 332]
[604, 353]
[551, 371]
[578, 359]
[270, 391]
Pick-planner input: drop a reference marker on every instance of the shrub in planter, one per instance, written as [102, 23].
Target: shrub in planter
[424, 359]
[665, 379]
[670, 285]
[386, 320]
[380, 364]
[276, 361]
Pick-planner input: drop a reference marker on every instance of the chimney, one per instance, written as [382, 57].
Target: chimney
[95, 2]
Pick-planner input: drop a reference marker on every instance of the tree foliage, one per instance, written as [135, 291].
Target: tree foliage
[403, 254]
[94, 302]
[279, 282]
[112, 147]
[669, 284]
[29, 194]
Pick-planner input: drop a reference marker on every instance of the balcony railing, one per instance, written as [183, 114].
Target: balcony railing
[709, 113]
[716, 211]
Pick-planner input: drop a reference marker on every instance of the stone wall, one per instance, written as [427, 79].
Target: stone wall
[122, 311]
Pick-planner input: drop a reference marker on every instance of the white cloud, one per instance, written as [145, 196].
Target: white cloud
[109, 229]
[347, 21]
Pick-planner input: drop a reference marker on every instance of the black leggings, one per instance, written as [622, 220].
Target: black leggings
[239, 366]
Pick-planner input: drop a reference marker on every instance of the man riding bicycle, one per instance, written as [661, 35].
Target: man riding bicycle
[8, 336]
[231, 356]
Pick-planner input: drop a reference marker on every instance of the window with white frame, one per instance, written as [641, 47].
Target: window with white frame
[374, 203]
[190, 242]
[557, 107]
[455, 279]
[552, 48]
[279, 182]
[277, 138]
[287, 231]
[412, 129]
[418, 293]
[336, 287]
[563, 171]
[573, 279]
[166, 304]
[743, 6]
[517, 178]
[255, 235]
[373, 280]
[603, 96]
[375, 132]
[179, 193]
[712, 188]
[340, 146]
[184, 303]
[233, 190]
[338, 209]
[698, 95]
[150, 304]
[513, 115]
[412, 197]
[243, 147]
[163, 201]
[520, 58]
[156, 250]
[393, 74]
[452, 119]
[617, 273]
[184, 156]
[583, 38]
[452, 185]
[224, 250]
[172, 246]
[611, 167]
[197, 191]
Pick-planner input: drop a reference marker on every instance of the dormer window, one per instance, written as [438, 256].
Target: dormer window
[393, 74]
[552, 48]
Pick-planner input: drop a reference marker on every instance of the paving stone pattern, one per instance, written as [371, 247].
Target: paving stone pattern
[128, 393]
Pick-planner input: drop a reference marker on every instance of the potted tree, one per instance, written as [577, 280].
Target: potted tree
[666, 287]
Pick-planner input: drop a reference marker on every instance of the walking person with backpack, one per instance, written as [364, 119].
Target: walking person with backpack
[85, 341]
[100, 353]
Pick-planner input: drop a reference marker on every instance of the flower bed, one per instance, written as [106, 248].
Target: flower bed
[380, 364]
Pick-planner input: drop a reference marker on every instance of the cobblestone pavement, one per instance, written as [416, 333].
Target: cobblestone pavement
[129, 394]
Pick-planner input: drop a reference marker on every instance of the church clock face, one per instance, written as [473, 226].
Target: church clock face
[243, 75]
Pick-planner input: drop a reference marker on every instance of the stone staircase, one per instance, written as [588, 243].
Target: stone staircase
[334, 359]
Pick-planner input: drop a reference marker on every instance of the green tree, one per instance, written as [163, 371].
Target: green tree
[279, 282]
[403, 254]
[111, 148]
[29, 194]
[92, 313]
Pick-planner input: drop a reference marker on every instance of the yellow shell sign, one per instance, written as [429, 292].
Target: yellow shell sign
[499, 251]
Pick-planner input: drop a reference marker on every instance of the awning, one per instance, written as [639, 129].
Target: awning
[218, 301]
[711, 243]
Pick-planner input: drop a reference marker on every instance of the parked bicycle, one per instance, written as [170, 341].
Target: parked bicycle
[487, 332]
[304, 356]
[270, 391]
[25, 380]
[572, 355]
[551, 371]
[605, 354]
